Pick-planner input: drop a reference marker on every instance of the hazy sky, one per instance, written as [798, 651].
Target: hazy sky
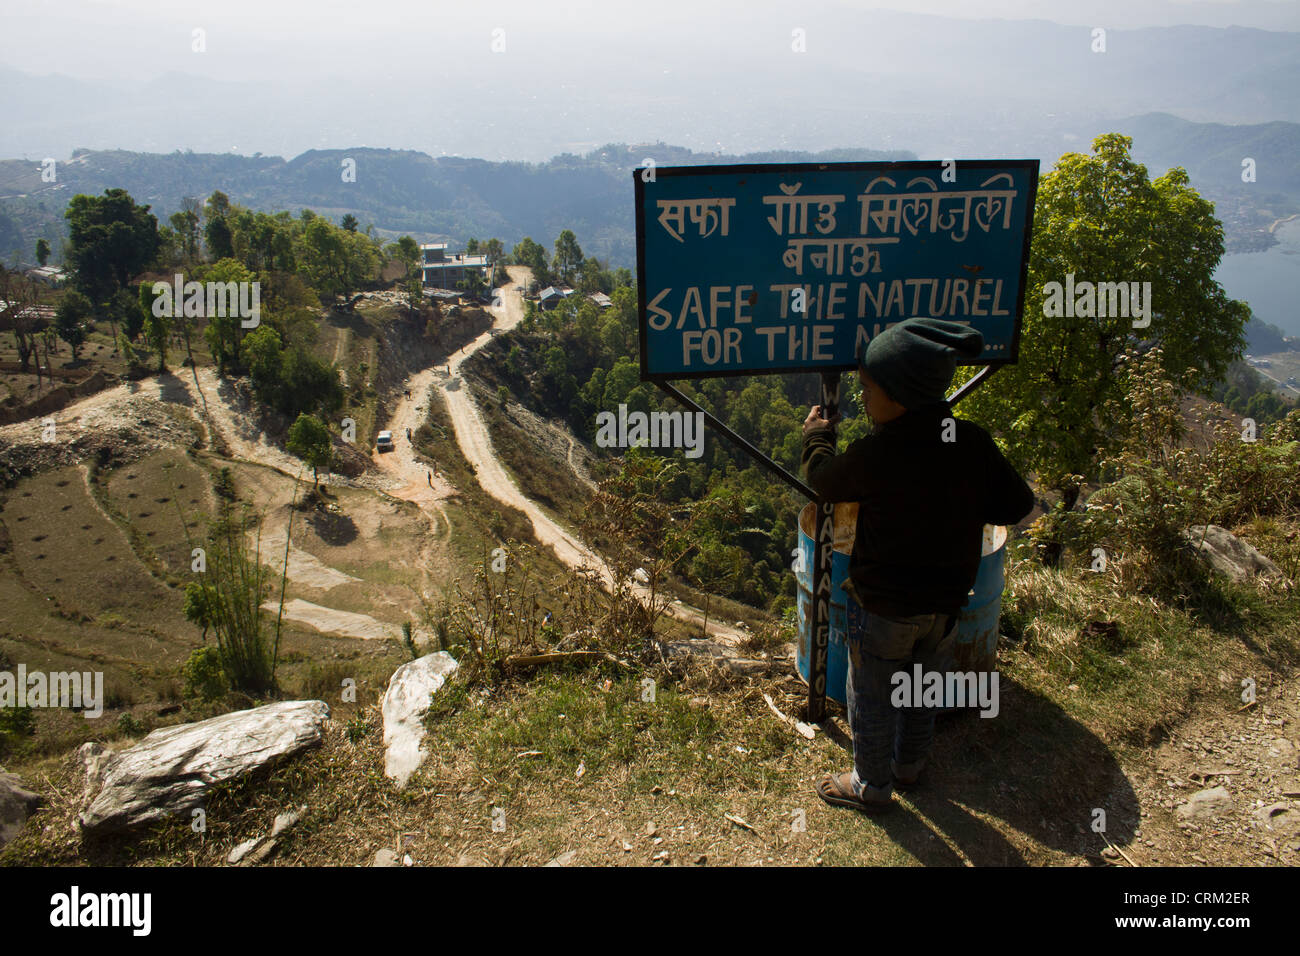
[142, 39]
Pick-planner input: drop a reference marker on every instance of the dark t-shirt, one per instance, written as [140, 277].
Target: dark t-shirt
[922, 506]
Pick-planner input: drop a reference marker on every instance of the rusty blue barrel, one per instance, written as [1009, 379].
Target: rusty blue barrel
[976, 643]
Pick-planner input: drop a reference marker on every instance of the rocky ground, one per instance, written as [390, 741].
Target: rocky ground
[1224, 790]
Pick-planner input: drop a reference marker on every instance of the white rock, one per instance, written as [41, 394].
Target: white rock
[263, 852]
[284, 821]
[564, 859]
[1228, 554]
[385, 857]
[241, 851]
[16, 805]
[1205, 804]
[171, 770]
[405, 704]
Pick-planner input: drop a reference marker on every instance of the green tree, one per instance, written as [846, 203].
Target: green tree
[310, 385]
[363, 261]
[220, 241]
[223, 332]
[186, 226]
[568, 255]
[349, 223]
[1101, 218]
[261, 351]
[157, 331]
[217, 233]
[592, 278]
[325, 261]
[125, 308]
[473, 284]
[42, 251]
[217, 206]
[406, 251]
[309, 439]
[110, 239]
[71, 319]
[515, 361]
[533, 255]
[494, 251]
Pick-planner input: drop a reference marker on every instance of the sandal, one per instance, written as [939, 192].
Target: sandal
[837, 790]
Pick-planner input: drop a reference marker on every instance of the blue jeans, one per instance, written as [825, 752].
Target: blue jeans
[879, 647]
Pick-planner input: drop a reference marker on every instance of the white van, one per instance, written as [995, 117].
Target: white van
[384, 442]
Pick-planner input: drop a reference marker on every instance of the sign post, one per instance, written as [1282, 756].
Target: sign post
[824, 554]
[766, 269]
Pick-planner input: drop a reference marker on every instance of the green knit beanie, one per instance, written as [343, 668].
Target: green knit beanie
[914, 361]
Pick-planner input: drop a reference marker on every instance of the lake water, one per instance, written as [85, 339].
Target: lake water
[1269, 281]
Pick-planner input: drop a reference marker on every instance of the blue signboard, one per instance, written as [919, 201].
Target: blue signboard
[779, 268]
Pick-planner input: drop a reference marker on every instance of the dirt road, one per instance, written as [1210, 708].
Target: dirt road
[412, 480]
[476, 444]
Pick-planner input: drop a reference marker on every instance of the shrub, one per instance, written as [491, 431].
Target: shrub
[203, 674]
[129, 725]
[357, 727]
[1160, 485]
[16, 723]
[229, 602]
[408, 640]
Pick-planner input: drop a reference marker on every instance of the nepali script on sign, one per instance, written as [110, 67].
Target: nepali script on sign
[747, 269]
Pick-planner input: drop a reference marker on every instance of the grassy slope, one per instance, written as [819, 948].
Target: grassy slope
[578, 760]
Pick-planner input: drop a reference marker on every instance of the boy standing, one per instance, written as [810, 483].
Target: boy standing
[926, 483]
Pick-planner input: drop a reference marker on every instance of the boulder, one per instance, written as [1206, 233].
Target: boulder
[1228, 554]
[172, 769]
[406, 701]
[16, 805]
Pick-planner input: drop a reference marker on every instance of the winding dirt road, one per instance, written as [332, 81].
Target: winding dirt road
[411, 477]
[476, 445]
